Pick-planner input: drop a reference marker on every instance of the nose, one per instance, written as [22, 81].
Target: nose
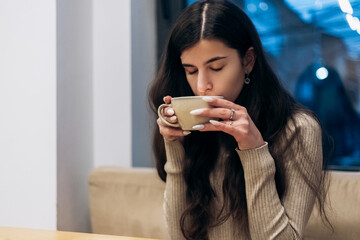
[203, 83]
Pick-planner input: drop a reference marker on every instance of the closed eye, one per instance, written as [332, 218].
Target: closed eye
[217, 69]
[191, 73]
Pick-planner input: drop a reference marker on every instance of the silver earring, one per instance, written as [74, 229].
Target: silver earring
[247, 79]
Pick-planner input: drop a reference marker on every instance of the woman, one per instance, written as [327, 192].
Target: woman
[255, 173]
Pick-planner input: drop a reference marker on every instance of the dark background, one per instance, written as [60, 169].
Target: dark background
[301, 37]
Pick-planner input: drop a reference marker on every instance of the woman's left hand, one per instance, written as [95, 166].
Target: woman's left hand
[236, 122]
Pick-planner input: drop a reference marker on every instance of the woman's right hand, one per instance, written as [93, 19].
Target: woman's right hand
[170, 133]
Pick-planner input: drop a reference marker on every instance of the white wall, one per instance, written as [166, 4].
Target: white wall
[74, 113]
[28, 113]
[112, 82]
[67, 83]
[94, 94]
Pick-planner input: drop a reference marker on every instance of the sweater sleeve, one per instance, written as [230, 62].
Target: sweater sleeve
[175, 189]
[269, 216]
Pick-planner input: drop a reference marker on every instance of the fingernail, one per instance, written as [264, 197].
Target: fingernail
[186, 132]
[196, 112]
[170, 112]
[208, 99]
[198, 127]
[214, 122]
[173, 118]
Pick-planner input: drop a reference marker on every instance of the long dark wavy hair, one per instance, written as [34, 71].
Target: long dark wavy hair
[264, 99]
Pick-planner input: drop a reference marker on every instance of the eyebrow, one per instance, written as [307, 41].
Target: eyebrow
[207, 62]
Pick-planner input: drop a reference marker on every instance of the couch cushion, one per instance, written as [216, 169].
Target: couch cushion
[127, 202]
[344, 214]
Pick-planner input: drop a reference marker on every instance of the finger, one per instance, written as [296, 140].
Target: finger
[214, 125]
[167, 99]
[172, 119]
[161, 123]
[173, 132]
[168, 112]
[166, 130]
[219, 102]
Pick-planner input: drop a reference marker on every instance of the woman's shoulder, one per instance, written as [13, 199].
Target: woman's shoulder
[302, 135]
[301, 126]
[307, 120]
[303, 122]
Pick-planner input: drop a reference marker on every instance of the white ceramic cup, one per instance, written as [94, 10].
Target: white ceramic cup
[182, 107]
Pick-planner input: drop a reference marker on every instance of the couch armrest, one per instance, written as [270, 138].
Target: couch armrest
[127, 201]
[344, 211]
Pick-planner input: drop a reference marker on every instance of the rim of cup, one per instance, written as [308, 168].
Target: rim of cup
[184, 97]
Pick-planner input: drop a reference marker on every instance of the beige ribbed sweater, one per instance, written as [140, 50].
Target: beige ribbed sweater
[269, 216]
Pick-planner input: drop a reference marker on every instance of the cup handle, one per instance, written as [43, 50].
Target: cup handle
[161, 107]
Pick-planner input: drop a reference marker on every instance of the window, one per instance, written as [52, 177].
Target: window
[315, 54]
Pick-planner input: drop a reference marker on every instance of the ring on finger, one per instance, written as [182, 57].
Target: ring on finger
[232, 114]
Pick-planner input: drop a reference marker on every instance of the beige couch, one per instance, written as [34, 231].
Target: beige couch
[129, 202]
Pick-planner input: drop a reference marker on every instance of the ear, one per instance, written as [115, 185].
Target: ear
[249, 60]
